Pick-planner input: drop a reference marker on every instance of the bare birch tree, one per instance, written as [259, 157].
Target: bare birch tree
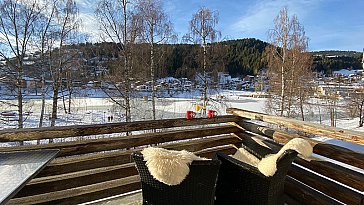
[203, 31]
[289, 65]
[45, 30]
[68, 23]
[356, 105]
[155, 28]
[118, 25]
[17, 25]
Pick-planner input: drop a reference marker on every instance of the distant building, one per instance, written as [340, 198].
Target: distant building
[347, 73]
[224, 78]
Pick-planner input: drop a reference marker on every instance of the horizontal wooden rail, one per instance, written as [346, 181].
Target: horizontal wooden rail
[308, 127]
[77, 179]
[51, 196]
[303, 193]
[92, 182]
[123, 142]
[85, 130]
[332, 189]
[91, 169]
[346, 195]
[347, 156]
[92, 161]
[338, 173]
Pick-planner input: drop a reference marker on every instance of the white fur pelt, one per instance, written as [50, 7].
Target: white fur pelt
[268, 165]
[168, 166]
[245, 156]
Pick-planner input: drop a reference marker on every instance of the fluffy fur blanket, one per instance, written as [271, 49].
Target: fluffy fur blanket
[268, 165]
[168, 166]
[245, 156]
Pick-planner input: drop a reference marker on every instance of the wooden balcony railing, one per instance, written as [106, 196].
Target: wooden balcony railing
[94, 161]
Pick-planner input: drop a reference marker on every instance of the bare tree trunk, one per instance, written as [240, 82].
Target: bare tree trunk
[152, 73]
[63, 100]
[334, 117]
[54, 103]
[361, 120]
[282, 90]
[301, 107]
[204, 107]
[69, 100]
[127, 65]
[42, 109]
[20, 99]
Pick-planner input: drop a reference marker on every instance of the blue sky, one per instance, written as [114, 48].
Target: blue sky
[329, 24]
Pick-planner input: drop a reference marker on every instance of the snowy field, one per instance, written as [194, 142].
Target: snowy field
[96, 108]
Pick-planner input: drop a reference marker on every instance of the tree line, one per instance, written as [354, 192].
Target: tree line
[238, 57]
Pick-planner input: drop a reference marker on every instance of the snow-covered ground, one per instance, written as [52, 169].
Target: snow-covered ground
[94, 107]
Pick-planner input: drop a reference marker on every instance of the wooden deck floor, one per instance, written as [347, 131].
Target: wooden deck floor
[134, 198]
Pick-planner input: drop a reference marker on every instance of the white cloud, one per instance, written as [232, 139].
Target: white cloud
[90, 25]
[260, 16]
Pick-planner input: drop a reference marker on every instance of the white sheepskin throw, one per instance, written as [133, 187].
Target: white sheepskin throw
[168, 166]
[243, 155]
[268, 165]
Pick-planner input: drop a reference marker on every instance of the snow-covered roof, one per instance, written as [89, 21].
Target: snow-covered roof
[166, 79]
[347, 72]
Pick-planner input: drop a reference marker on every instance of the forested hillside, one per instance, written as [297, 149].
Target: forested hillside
[237, 57]
[328, 61]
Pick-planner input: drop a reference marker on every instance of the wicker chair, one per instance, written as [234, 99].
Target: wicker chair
[198, 188]
[241, 183]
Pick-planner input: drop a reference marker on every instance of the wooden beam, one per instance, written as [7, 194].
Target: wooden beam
[79, 195]
[97, 129]
[332, 189]
[78, 191]
[336, 172]
[201, 144]
[347, 156]
[124, 142]
[97, 160]
[210, 153]
[98, 195]
[77, 179]
[86, 162]
[306, 194]
[308, 127]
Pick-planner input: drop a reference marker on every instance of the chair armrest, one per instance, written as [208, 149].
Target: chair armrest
[240, 165]
[257, 150]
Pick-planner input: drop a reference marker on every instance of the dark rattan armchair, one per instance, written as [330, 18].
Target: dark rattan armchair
[240, 183]
[198, 188]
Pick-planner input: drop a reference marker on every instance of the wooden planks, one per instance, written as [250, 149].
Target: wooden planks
[85, 130]
[94, 169]
[73, 192]
[341, 174]
[332, 189]
[347, 156]
[124, 142]
[306, 194]
[312, 128]
[77, 179]
[86, 185]
[92, 161]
